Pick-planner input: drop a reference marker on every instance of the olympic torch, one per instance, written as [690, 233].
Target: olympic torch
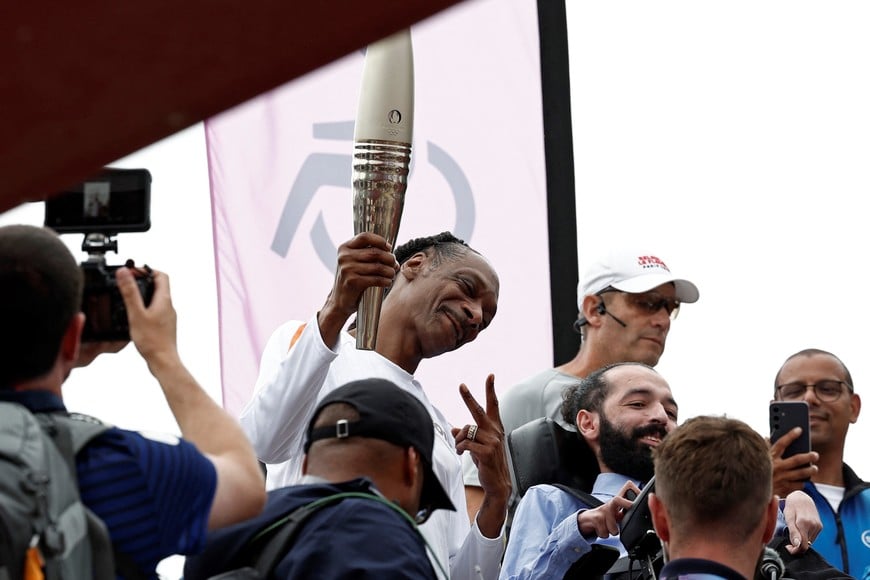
[381, 157]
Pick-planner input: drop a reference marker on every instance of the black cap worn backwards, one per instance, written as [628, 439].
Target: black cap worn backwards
[390, 414]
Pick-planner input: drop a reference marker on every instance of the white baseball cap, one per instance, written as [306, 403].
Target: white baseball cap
[631, 272]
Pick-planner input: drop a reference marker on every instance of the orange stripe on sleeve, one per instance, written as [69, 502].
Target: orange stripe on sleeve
[296, 336]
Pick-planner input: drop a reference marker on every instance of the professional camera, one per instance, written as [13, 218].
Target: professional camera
[115, 201]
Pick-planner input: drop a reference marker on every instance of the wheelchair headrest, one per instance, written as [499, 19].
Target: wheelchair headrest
[542, 451]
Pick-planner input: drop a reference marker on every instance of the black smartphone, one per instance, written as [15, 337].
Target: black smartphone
[785, 416]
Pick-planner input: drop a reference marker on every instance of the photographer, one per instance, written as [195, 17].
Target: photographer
[156, 498]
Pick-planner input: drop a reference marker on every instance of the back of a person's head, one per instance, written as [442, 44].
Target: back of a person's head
[373, 428]
[40, 292]
[355, 456]
[366, 455]
[714, 474]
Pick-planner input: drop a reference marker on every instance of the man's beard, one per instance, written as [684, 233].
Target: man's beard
[625, 454]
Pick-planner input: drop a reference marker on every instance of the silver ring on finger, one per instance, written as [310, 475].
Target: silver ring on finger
[472, 432]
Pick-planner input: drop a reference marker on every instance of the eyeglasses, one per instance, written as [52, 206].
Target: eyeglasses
[650, 303]
[827, 391]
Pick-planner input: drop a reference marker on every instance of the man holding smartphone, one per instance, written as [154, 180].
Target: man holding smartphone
[822, 380]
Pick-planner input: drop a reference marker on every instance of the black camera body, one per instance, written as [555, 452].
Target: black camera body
[114, 201]
[103, 305]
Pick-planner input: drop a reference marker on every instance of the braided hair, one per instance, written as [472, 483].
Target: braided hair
[445, 245]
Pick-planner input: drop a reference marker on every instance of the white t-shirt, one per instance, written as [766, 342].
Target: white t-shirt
[832, 493]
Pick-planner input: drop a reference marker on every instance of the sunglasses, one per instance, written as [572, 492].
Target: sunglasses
[649, 302]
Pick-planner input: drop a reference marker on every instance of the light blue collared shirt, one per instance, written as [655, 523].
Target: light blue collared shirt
[545, 540]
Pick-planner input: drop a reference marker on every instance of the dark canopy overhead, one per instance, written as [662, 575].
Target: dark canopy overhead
[84, 83]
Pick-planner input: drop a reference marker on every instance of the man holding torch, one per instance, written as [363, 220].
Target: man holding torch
[441, 295]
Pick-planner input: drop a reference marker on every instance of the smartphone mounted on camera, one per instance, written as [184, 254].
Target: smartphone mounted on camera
[112, 202]
[785, 416]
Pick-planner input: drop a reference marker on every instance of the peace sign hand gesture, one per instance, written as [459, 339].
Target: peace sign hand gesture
[485, 440]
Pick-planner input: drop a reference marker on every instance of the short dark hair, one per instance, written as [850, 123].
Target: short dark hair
[714, 471]
[590, 392]
[40, 292]
[811, 352]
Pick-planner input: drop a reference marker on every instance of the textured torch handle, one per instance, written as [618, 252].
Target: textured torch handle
[380, 178]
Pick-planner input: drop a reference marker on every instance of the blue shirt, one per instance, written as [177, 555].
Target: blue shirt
[545, 540]
[355, 538]
[153, 496]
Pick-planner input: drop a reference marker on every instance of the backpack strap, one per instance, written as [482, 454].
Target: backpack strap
[83, 429]
[101, 546]
[71, 432]
[276, 547]
[587, 498]
[277, 543]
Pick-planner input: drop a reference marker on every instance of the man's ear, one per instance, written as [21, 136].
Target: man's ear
[412, 469]
[72, 340]
[590, 310]
[855, 407]
[587, 423]
[413, 266]
[772, 518]
[660, 520]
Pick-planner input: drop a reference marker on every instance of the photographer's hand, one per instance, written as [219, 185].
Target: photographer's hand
[91, 349]
[152, 329]
[241, 490]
